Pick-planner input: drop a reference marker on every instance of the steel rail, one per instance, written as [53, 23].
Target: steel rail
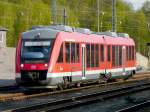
[85, 99]
[136, 107]
[8, 88]
[11, 87]
[33, 95]
[14, 87]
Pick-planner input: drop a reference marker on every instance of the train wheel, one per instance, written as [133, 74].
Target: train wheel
[78, 84]
[99, 81]
[66, 83]
[60, 87]
[126, 78]
[132, 73]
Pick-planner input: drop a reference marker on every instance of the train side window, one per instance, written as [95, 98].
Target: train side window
[117, 58]
[132, 52]
[108, 53]
[92, 55]
[88, 55]
[102, 53]
[72, 52]
[129, 53]
[127, 50]
[77, 53]
[113, 55]
[120, 55]
[67, 52]
[60, 57]
[97, 55]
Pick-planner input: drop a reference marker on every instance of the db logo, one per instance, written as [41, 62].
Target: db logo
[33, 66]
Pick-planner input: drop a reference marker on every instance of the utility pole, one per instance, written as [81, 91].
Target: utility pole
[64, 16]
[114, 15]
[97, 15]
[148, 26]
[54, 11]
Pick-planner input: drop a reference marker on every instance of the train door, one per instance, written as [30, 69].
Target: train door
[123, 58]
[83, 62]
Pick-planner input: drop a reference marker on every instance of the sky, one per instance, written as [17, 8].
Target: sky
[137, 4]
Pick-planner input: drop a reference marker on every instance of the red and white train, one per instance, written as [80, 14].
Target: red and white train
[53, 55]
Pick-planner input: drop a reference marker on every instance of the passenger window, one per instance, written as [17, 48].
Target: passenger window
[102, 53]
[133, 52]
[120, 55]
[97, 55]
[73, 52]
[77, 53]
[67, 52]
[130, 52]
[92, 55]
[127, 52]
[60, 57]
[117, 59]
[113, 55]
[88, 55]
[108, 53]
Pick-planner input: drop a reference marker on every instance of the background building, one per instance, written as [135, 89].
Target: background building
[3, 32]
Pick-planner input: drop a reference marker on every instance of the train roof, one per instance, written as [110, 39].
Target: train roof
[44, 33]
[124, 35]
[78, 34]
[108, 33]
[93, 38]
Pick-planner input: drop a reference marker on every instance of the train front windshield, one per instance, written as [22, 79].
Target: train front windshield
[36, 51]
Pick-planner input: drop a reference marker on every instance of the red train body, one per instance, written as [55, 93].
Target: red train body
[48, 56]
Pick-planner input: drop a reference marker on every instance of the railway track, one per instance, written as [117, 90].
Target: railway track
[67, 103]
[9, 93]
[8, 88]
[135, 107]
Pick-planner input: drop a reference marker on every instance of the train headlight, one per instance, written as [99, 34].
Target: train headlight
[46, 65]
[22, 65]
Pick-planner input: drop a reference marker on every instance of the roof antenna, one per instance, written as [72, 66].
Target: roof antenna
[37, 36]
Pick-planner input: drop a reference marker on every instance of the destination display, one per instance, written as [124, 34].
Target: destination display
[39, 43]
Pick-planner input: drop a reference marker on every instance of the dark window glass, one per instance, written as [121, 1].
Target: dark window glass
[77, 53]
[120, 55]
[117, 58]
[127, 50]
[132, 52]
[36, 51]
[88, 55]
[60, 58]
[108, 53]
[92, 55]
[72, 52]
[67, 52]
[113, 55]
[129, 53]
[97, 55]
[102, 53]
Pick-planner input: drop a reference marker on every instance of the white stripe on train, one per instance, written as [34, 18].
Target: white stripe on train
[91, 72]
[79, 73]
